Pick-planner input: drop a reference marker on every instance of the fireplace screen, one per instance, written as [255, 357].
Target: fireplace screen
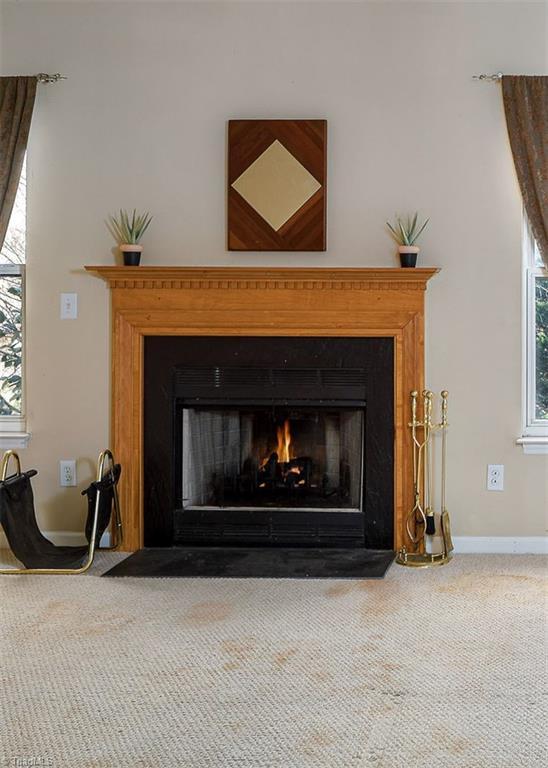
[277, 458]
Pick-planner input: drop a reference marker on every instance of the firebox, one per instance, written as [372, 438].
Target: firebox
[279, 457]
[269, 442]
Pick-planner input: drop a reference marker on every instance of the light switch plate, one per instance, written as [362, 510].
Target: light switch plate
[69, 306]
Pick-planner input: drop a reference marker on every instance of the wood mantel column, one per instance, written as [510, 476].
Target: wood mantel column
[233, 301]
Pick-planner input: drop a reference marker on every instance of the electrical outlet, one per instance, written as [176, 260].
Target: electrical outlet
[69, 306]
[495, 477]
[67, 473]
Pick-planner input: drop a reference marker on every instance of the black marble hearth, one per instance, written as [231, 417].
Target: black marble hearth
[254, 562]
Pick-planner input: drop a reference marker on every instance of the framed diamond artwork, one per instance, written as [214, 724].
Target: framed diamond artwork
[277, 194]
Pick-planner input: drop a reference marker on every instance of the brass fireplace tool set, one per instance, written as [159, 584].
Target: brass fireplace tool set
[421, 520]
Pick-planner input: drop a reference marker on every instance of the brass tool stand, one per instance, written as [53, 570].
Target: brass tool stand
[420, 522]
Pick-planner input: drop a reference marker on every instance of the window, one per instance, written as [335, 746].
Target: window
[12, 275]
[535, 384]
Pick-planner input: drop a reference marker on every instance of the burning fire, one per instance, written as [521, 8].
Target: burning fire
[282, 468]
[283, 450]
[284, 442]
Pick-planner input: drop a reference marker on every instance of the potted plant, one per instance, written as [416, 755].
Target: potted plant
[128, 233]
[406, 233]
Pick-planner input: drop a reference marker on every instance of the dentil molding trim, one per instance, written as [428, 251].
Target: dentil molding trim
[292, 278]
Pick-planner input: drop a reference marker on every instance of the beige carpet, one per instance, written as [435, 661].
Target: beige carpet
[434, 668]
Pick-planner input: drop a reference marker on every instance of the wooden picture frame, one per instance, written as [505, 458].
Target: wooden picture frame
[277, 185]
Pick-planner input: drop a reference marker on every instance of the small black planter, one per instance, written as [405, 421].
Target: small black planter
[408, 259]
[132, 258]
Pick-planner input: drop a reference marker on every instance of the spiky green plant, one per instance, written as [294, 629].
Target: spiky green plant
[129, 230]
[406, 231]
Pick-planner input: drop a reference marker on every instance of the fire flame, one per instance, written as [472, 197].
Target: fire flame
[284, 442]
[281, 468]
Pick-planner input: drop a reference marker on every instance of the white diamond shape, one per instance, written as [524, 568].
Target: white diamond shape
[276, 185]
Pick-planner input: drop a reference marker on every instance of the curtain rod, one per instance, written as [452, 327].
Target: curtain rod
[43, 77]
[496, 78]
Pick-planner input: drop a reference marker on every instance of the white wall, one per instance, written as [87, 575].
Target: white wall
[141, 122]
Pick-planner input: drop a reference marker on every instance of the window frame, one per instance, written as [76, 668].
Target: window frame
[534, 437]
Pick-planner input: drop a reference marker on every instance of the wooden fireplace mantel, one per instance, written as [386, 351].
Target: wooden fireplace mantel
[256, 301]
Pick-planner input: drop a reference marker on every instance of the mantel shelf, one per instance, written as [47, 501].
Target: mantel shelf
[387, 278]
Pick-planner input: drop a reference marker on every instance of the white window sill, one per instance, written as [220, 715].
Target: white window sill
[14, 440]
[535, 444]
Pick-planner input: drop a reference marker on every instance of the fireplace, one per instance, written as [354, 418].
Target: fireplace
[269, 442]
[175, 302]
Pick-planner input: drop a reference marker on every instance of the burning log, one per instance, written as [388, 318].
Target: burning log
[284, 474]
[280, 471]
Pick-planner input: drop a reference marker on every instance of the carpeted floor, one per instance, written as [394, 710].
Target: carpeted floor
[437, 669]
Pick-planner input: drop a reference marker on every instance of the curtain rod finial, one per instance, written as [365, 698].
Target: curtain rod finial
[493, 78]
[43, 77]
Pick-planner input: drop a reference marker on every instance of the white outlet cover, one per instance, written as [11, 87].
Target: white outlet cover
[495, 477]
[67, 473]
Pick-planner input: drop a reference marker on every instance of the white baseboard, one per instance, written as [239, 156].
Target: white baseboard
[62, 539]
[510, 545]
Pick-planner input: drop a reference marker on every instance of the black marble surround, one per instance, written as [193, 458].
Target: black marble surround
[164, 525]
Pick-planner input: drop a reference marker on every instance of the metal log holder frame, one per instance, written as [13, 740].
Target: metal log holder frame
[421, 520]
[116, 522]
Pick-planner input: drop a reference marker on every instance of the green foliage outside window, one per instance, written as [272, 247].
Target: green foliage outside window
[541, 317]
[11, 345]
[11, 308]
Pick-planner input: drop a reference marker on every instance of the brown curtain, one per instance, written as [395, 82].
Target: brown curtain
[16, 104]
[526, 108]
